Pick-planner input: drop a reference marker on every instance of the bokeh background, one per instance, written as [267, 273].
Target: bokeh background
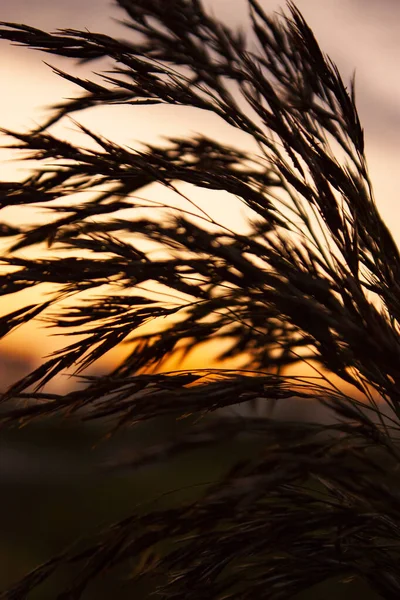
[54, 487]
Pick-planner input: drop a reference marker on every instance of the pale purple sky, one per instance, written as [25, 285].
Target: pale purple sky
[358, 34]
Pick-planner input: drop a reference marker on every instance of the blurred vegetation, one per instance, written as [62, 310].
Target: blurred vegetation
[40, 516]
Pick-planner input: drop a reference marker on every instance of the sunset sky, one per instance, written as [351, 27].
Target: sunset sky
[358, 35]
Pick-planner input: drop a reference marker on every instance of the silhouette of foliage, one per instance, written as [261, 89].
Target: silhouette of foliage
[316, 278]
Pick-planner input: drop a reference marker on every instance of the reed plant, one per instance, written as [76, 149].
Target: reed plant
[314, 281]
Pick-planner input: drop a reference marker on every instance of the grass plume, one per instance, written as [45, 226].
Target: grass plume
[316, 279]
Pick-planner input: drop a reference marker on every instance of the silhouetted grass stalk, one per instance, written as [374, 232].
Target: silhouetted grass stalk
[316, 279]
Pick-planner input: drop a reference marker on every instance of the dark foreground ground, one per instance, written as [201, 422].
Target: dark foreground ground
[55, 488]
